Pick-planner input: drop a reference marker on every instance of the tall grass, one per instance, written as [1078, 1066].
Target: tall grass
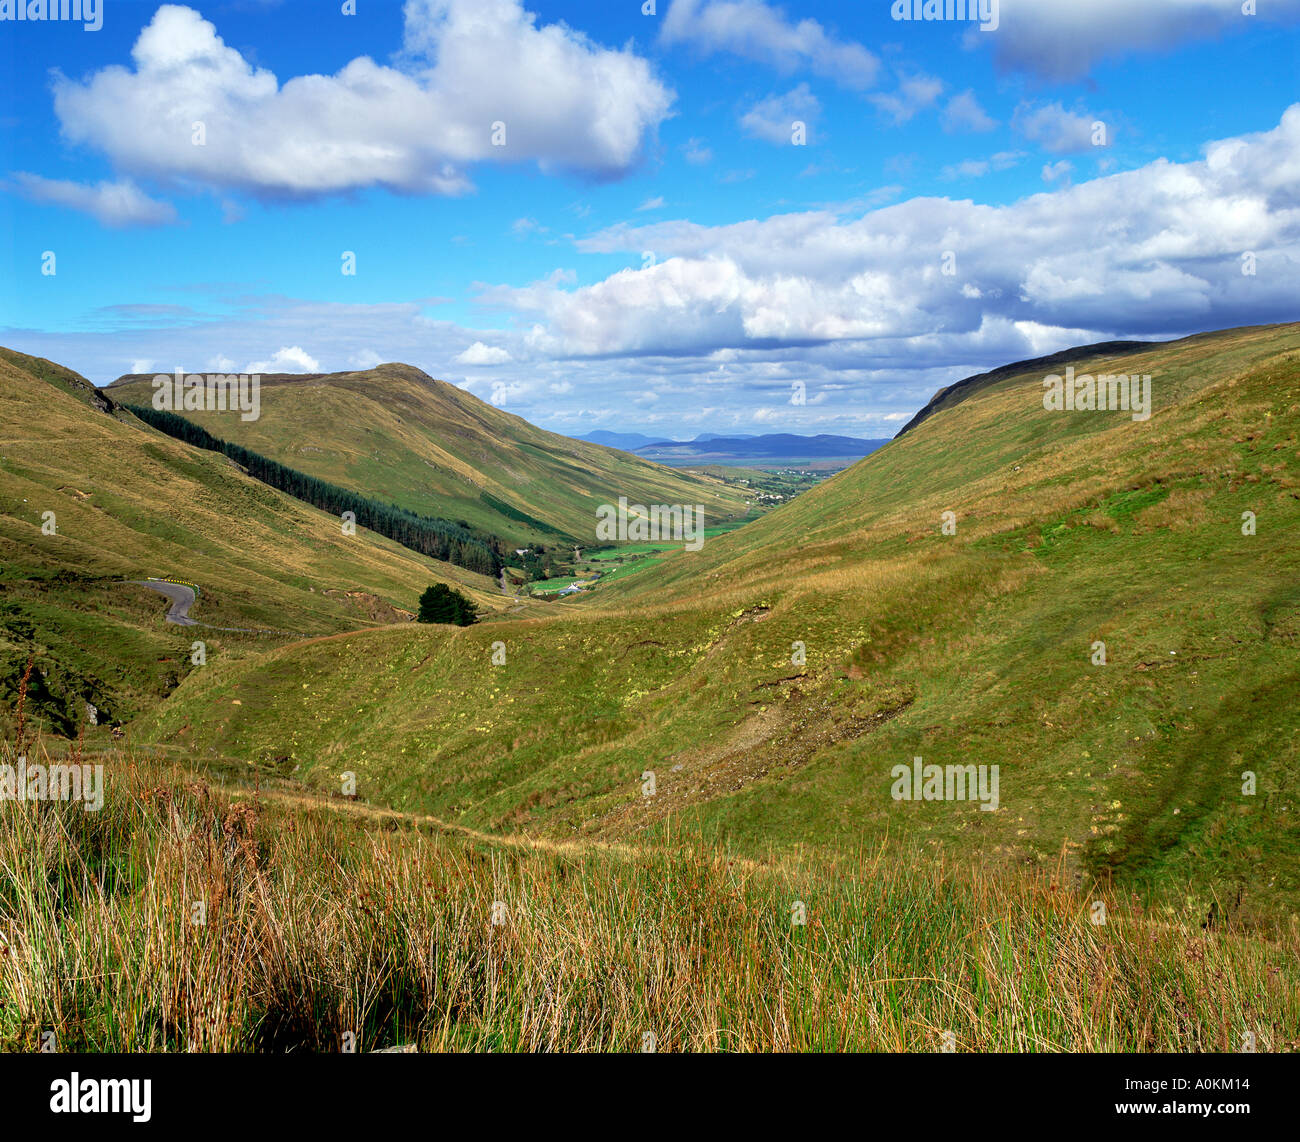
[321, 920]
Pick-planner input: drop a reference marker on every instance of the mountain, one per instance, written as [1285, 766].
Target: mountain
[630, 441]
[627, 441]
[740, 444]
[949, 395]
[783, 448]
[129, 503]
[1103, 621]
[398, 435]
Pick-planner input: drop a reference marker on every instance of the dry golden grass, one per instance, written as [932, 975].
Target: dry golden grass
[1181, 510]
[324, 920]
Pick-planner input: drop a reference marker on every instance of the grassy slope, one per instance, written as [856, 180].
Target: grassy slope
[132, 503]
[974, 648]
[394, 433]
[323, 918]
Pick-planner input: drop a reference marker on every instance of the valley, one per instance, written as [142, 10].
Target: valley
[681, 526]
[1069, 600]
[650, 656]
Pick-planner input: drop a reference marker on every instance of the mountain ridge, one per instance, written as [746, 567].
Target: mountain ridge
[98, 500]
[399, 435]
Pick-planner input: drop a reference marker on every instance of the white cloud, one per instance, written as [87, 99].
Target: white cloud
[116, 204]
[655, 203]
[772, 119]
[567, 105]
[964, 113]
[501, 393]
[1065, 39]
[756, 31]
[290, 359]
[915, 93]
[1058, 171]
[697, 153]
[1152, 249]
[1057, 130]
[850, 299]
[978, 168]
[365, 359]
[481, 354]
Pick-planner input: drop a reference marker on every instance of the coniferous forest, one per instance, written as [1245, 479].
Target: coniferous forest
[436, 538]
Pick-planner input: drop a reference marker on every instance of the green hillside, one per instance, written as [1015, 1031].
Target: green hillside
[399, 435]
[131, 503]
[1072, 529]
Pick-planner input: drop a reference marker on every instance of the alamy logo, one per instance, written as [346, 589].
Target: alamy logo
[216, 392]
[23, 782]
[1104, 393]
[89, 12]
[985, 11]
[640, 524]
[919, 782]
[75, 1095]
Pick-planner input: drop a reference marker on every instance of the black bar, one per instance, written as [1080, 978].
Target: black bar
[375, 1092]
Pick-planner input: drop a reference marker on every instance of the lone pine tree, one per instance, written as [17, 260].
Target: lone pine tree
[443, 604]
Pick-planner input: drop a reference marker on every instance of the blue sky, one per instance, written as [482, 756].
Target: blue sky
[651, 248]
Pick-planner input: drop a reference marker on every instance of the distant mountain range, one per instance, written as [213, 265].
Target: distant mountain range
[628, 441]
[713, 448]
[631, 441]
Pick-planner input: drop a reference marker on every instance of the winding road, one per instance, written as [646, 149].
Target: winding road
[182, 598]
[510, 594]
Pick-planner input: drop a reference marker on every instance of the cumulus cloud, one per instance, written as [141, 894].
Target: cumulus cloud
[772, 119]
[365, 359]
[915, 93]
[1057, 130]
[566, 103]
[978, 168]
[289, 359]
[851, 299]
[342, 336]
[964, 113]
[115, 204]
[1151, 249]
[756, 31]
[1065, 39]
[1059, 171]
[480, 354]
[501, 392]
